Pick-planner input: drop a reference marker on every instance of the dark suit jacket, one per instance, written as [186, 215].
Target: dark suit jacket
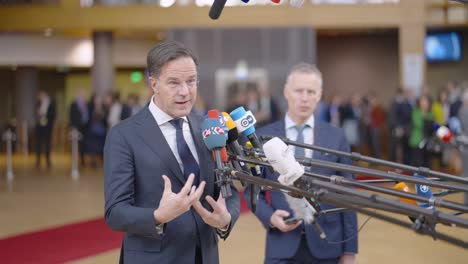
[136, 154]
[76, 116]
[337, 226]
[50, 117]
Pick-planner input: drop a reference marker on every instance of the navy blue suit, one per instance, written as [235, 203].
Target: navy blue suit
[136, 154]
[337, 226]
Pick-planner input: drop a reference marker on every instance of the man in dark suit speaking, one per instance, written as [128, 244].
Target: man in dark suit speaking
[299, 243]
[159, 176]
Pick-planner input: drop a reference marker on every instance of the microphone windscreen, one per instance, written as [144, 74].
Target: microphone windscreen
[423, 190]
[444, 134]
[276, 152]
[217, 8]
[455, 125]
[401, 186]
[213, 134]
[229, 122]
[283, 161]
[233, 135]
[244, 121]
[214, 113]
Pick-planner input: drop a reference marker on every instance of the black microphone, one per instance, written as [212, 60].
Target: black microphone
[235, 147]
[217, 8]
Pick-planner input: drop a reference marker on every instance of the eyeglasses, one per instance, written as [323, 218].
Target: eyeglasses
[177, 84]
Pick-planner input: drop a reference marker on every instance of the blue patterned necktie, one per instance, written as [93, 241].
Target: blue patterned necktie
[188, 161]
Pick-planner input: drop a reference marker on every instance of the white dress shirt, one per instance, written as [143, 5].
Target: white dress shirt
[308, 133]
[169, 132]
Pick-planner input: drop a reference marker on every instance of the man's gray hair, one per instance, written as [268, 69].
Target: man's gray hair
[304, 67]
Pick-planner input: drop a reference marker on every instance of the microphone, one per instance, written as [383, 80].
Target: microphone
[232, 143]
[216, 9]
[234, 146]
[455, 125]
[213, 113]
[283, 161]
[423, 190]
[245, 122]
[214, 139]
[401, 186]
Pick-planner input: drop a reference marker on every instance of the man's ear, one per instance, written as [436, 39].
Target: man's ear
[154, 85]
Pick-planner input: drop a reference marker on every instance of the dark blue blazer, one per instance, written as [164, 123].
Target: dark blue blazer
[337, 226]
[136, 154]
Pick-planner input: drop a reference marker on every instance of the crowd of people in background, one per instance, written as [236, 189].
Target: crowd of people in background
[409, 123]
[94, 117]
[404, 128]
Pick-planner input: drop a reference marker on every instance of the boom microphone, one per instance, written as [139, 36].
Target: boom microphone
[217, 8]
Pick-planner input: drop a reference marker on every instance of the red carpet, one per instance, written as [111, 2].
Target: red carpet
[64, 243]
[61, 244]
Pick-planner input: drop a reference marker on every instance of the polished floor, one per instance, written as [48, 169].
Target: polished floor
[43, 198]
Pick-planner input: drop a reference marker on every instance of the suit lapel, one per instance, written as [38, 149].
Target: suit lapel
[151, 134]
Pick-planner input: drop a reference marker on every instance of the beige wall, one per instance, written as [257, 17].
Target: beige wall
[359, 64]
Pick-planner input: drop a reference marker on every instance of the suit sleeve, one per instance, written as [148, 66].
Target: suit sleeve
[119, 172]
[349, 218]
[233, 206]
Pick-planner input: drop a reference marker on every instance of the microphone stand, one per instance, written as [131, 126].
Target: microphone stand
[431, 214]
[330, 198]
[221, 179]
[358, 157]
[308, 162]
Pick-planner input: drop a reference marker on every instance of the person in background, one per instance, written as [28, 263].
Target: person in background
[399, 122]
[45, 118]
[79, 117]
[421, 130]
[377, 123]
[298, 242]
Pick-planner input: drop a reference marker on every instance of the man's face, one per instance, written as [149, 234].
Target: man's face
[302, 92]
[175, 89]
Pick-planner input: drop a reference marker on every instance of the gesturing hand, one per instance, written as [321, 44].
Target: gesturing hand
[174, 204]
[219, 218]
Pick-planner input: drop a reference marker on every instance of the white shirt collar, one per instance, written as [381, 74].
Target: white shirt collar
[289, 123]
[159, 115]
